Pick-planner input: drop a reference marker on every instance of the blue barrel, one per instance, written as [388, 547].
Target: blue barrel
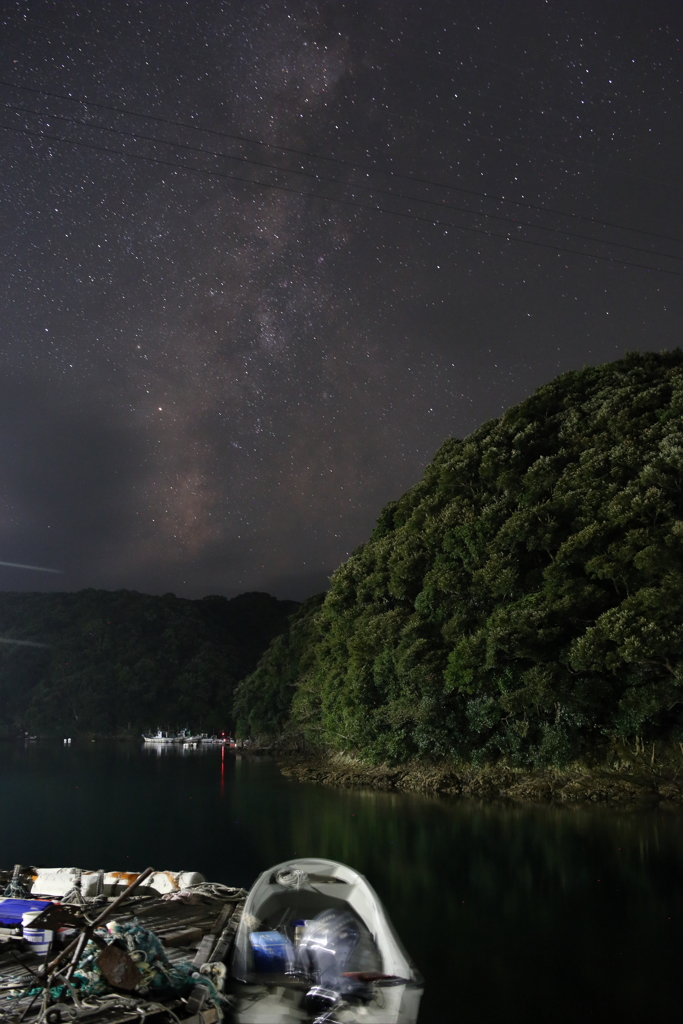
[12, 911]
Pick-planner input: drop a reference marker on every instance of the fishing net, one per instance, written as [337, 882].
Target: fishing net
[159, 978]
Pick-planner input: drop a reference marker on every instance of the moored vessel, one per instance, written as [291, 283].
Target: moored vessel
[184, 736]
[314, 943]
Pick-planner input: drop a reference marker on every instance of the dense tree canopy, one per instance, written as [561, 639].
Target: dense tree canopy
[525, 599]
[263, 700]
[123, 662]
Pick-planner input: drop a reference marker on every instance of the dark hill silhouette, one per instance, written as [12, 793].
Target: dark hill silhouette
[122, 662]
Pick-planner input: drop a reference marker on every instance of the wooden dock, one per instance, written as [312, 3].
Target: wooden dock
[195, 926]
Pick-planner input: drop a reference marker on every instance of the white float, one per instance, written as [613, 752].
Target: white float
[57, 882]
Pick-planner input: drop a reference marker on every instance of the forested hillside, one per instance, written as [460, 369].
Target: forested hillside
[121, 662]
[523, 601]
[263, 700]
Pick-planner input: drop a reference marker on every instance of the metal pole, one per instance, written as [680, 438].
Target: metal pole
[87, 932]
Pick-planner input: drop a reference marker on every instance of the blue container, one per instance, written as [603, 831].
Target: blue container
[273, 952]
[12, 911]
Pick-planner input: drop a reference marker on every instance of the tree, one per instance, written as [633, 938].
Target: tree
[525, 599]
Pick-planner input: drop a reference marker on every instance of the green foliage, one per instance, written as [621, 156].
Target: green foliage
[525, 599]
[126, 662]
[263, 699]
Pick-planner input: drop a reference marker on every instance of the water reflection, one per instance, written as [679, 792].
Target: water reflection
[180, 749]
[511, 913]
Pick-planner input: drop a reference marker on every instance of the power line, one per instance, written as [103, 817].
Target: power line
[608, 167]
[347, 186]
[343, 202]
[330, 159]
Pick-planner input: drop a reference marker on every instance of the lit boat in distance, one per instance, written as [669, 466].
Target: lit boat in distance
[184, 736]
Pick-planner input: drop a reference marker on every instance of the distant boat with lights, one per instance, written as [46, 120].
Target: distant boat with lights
[187, 739]
[184, 736]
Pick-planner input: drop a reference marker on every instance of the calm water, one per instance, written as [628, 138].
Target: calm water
[511, 914]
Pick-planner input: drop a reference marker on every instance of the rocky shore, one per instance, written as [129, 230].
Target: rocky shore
[636, 784]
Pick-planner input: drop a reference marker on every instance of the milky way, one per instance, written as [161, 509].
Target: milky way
[212, 385]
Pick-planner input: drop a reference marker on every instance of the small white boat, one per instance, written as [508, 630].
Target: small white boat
[160, 737]
[184, 737]
[315, 944]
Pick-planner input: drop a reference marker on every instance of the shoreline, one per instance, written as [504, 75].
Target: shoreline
[639, 786]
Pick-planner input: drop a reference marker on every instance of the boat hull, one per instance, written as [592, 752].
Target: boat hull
[301, 892]
[281, 1005]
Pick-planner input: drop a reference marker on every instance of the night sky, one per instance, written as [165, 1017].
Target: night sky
[210, 385]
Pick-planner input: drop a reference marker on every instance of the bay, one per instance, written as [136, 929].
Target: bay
[511, 913]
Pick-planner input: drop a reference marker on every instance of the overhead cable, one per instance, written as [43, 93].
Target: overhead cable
[346, 185]
[336, 160]
[329, 199]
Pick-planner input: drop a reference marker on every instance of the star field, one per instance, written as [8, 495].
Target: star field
[232, 329]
